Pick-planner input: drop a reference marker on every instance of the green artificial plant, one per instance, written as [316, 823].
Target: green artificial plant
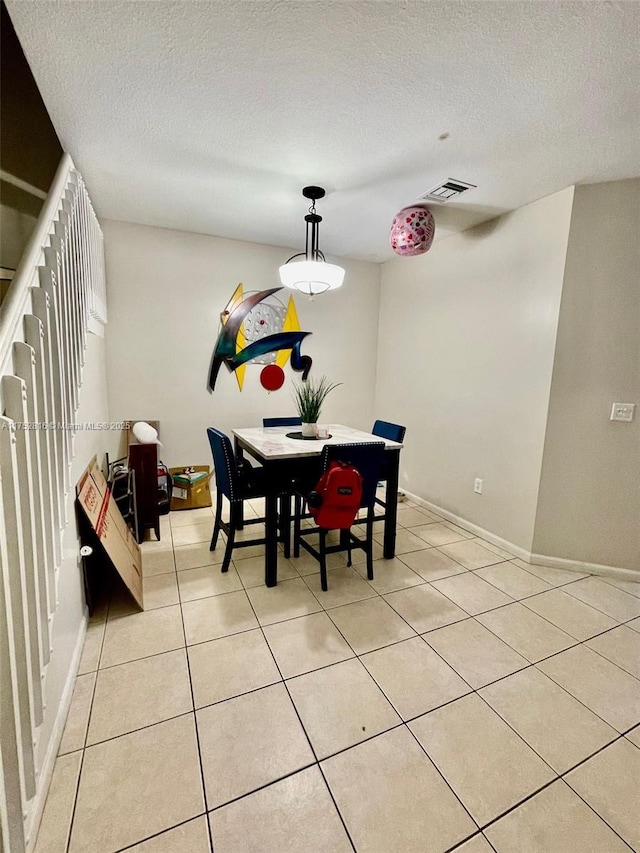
[309, 397]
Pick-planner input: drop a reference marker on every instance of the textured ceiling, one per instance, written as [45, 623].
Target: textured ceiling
[211, 116]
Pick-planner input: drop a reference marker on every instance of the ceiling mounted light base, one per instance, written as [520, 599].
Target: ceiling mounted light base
[312, 274]
[313, 193]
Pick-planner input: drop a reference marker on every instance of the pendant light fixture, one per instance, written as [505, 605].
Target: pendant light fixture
[312, 274]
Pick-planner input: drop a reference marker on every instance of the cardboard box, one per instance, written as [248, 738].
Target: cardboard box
[187, 495]
[103, 514]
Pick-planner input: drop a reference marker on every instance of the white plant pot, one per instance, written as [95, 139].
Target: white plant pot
[309, 430]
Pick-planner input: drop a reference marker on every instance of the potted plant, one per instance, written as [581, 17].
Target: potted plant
[309, 397]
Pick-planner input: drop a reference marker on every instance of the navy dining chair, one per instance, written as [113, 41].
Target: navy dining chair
[276, 422]
[392, 432]
[367, 457]
[237, 483]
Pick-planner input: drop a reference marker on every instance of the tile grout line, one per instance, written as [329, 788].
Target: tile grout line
[459, 844]
[597, 609]
[544, 787]
[442, 776]
[195, 725]
[313, 752]
[404, 723]
[619, 735]
[162, 832]
[608, 579]
[533, 665]
[80, 769]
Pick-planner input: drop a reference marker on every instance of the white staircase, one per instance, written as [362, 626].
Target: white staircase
[56, 297]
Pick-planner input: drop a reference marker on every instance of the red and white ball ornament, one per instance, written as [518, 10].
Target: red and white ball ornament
[412, 231]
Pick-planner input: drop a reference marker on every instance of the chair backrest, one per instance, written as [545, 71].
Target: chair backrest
[224, 463]
[392, 432]
[367, 457]
[274, 422]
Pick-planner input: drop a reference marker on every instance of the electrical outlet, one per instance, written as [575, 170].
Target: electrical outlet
[622, 412]
[477, 486]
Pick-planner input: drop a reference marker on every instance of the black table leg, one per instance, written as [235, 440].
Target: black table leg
[391, 509]
[271, 547]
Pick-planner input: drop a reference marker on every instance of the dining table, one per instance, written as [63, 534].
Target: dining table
[284, 457]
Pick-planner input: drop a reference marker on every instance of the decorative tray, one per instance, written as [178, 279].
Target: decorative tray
[300, 437]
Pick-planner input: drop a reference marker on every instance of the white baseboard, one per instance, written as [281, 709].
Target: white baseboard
[590, 568]
[516, 550]
[528, 556]
[36, 807]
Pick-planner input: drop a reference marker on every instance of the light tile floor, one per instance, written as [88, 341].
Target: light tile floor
[463, 700]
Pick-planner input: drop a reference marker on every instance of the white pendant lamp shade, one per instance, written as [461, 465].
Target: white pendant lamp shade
[311, 274]
[311, 277]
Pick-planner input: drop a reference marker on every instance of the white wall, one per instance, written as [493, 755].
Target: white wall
[166, 290]
[589, 504]
[465, 355]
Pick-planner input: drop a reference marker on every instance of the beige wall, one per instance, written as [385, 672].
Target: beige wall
[165, 293]
[465, 355]
[589, 502]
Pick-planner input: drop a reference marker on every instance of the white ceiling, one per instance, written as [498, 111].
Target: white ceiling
[211, 116]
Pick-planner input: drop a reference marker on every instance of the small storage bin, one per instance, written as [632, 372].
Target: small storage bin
[189, 490]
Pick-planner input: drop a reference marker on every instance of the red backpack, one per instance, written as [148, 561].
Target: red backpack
[335, 501]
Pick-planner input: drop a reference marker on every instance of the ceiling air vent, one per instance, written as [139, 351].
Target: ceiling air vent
[451, 188]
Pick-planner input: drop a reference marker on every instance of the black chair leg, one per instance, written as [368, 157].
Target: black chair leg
[323, 559]
[297, 523]
[216, 524]
[285, 523]
[369, 550]
[231, 535]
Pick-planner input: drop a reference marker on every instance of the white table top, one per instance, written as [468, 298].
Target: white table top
[272, 442]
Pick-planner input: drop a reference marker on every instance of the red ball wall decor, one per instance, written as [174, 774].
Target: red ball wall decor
[272, 377]
[412, 231]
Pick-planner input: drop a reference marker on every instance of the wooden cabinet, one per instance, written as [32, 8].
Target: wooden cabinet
[143, 461]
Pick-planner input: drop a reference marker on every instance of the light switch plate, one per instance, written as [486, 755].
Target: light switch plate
[622, 412]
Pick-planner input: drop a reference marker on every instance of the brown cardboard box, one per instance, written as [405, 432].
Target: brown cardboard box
[115, 537]
[191, 495]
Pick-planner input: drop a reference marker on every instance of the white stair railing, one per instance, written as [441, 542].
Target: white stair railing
[57, 295]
